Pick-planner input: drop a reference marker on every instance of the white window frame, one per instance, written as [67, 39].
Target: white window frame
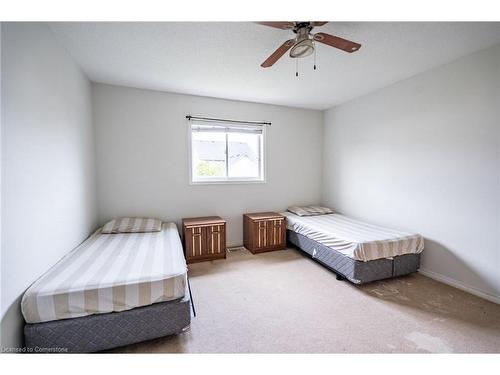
[227, 180]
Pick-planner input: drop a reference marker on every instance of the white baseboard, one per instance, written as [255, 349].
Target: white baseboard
[454, 283]
[234, 244]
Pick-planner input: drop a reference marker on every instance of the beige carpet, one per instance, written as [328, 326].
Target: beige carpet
[284, 302]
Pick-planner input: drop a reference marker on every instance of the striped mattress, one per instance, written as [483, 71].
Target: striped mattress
[110, 272]
[355, 239]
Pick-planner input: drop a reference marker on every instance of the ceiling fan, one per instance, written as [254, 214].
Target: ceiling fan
[303, 43]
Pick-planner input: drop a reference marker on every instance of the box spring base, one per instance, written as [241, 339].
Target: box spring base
[356, 271]
[98, 332]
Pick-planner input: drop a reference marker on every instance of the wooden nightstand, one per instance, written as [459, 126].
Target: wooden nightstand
[264, 231]
[204, 238]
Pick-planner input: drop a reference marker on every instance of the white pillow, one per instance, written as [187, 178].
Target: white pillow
[132, 225]
[310, 210]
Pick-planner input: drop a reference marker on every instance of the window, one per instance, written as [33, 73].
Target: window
[226, 152]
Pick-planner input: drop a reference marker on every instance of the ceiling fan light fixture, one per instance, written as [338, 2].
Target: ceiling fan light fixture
[302, 48]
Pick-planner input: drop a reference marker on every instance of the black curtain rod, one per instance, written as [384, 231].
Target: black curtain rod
[224, 120]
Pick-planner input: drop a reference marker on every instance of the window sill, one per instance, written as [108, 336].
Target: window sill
[230, 182]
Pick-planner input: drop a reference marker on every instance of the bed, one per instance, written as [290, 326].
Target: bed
[112, 290]
[355, 250]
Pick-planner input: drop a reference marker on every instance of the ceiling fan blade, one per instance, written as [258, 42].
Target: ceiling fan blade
[284, 25]
[278, 53]
[318, 23]
[335, 41]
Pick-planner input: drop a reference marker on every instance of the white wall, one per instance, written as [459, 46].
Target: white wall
[142, 155]
[48, 166]
[424, 155]
[421, 155]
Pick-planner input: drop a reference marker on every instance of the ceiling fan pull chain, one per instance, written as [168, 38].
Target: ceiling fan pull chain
[314, 46]
[296, 67]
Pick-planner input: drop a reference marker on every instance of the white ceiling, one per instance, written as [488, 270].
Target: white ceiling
[223, 59]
